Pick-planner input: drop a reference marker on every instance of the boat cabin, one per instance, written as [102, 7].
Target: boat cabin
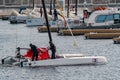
[104, 17]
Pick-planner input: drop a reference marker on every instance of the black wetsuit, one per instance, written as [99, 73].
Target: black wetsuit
[35, 52]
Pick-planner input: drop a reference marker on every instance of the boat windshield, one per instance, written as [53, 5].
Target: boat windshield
[116, 18]
[109, 17]
[100, 18]
[103, 18]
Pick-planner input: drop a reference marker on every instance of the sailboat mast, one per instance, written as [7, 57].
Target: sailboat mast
[68, 8]
[54, 1]
[50, 8]
[33, 4]
[76, 2]
[54, 7]
[52, 46]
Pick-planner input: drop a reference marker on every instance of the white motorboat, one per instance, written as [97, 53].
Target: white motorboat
[74, 23]
[17, 17]
[30, 17]
[34, 18]
[108, 17]
[97, 19]
[35, 22]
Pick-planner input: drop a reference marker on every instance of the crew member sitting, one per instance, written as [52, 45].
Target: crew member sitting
[18, 55]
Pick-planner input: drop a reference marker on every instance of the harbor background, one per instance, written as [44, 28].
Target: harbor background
[18, 35]
[29, 3]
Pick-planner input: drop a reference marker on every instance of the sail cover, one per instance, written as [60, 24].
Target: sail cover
[43, 54]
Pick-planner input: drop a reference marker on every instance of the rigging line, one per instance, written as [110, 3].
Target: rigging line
[16, 38]
[61, 13]
[60, 8]
[75, 41]
[29, 35]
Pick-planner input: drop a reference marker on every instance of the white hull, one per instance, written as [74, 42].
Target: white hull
[18, 19]
[69, 55]
[12, 60]
[73, 23]
[35, 22]
[61, 60]
[66, 61]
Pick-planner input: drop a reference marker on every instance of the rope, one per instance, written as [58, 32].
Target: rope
[16, 37]
[75, 41]
[60, 8]
[62, 14]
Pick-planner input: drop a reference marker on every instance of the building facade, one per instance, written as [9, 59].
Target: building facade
[38, 2]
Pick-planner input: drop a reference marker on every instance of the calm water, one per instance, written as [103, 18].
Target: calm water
[12, 36]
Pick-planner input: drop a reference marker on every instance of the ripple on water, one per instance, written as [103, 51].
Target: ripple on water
[19, 35]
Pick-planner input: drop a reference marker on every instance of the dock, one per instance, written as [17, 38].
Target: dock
[101, 35]
[44, 29]
[84, 31]
[116, 40]
[5, 13]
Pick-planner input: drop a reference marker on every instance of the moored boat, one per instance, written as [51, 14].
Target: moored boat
[35, 22]
[16, 17]
[99, 19]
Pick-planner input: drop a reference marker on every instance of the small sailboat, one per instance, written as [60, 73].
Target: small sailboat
[44, 59]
